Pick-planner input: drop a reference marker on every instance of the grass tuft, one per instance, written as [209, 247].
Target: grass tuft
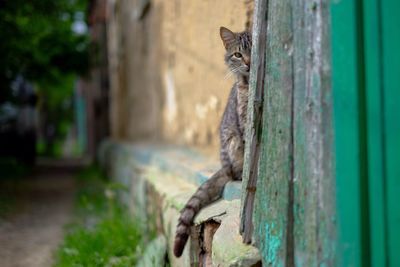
[103, 233]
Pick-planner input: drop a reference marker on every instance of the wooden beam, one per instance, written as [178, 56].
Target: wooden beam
[314, 186]
[253, 127]
[272, 215]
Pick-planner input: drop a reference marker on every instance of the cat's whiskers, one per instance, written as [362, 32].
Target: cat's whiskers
[231, 72]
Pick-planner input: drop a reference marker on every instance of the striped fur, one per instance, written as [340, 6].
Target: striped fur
[237, 58]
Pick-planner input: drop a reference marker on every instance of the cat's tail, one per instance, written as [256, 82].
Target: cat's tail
[208, 192]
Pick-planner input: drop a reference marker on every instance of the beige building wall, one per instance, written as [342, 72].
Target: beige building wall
[167, 74]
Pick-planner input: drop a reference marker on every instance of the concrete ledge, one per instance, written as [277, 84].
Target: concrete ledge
[161, 179]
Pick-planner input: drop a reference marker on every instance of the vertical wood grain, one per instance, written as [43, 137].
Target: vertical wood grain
[294, 203]
[253, 128]
[272, 205]
[314, 198]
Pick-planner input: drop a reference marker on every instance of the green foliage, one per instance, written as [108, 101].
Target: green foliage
[37, 41]
[103, 234]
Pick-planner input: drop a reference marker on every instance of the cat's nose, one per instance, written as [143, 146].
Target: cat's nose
[247, 62]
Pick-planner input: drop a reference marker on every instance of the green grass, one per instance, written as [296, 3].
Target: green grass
[103, 233]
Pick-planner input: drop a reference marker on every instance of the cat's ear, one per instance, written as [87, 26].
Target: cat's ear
[227, 36]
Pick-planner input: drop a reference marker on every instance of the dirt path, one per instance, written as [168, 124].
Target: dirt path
[31, 233]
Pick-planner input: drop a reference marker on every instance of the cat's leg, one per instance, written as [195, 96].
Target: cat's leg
[236, 155]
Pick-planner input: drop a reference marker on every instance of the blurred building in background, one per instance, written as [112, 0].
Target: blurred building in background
[95, 88]
[322, 172]
[153, 58]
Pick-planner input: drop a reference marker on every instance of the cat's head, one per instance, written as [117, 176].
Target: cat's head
[238, 51]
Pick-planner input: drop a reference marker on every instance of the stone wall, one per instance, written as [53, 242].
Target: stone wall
[159, 181]
[167, 76]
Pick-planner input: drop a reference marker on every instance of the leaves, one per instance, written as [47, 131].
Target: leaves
[38, 41]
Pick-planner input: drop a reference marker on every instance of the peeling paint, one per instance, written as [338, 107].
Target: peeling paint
[213, 102]
[201, 111]
[170, 98]
[273, 241]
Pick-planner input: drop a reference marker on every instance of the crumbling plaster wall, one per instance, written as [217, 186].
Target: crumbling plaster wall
[167, 74]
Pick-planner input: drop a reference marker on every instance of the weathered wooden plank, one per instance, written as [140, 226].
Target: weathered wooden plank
[254, 117]
[272, 213]
[314, 199]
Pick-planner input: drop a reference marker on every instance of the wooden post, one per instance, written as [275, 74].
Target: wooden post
[253, 129]
[314, 180]
[291, 164]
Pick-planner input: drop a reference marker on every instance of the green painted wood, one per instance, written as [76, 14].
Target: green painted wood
[376, 60]
[295, 184]
[254, 118]
[314, 182]
[375, 125]
[272, 214]
[346, 83]
[391, 99]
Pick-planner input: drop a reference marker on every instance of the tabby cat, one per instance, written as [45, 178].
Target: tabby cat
[237, 58]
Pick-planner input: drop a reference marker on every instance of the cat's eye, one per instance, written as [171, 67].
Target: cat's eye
[237, 54]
